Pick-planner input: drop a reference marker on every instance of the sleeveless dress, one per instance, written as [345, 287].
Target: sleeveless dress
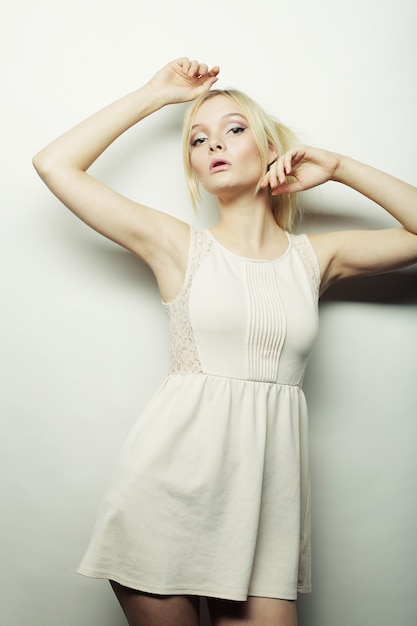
[210, 496]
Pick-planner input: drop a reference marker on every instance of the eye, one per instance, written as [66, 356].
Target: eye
[198, 141]
[237, 130]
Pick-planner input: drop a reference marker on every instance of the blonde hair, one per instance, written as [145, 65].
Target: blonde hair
[267, 132]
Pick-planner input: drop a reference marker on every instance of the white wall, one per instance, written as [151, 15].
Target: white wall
[83, 338]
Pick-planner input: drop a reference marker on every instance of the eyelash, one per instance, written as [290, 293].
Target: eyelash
[236, 130]
[198, 141]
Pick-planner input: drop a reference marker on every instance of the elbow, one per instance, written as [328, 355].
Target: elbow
[49, 166]
[46, 166]
[40, 163]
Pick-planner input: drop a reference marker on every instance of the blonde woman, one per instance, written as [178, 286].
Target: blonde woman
[210, 497]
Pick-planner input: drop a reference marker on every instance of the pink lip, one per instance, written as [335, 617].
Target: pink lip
[219, 165]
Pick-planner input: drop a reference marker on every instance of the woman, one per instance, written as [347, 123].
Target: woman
[211, 494]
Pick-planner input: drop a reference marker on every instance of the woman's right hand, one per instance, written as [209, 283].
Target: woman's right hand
[183, 80]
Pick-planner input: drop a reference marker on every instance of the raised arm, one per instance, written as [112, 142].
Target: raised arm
[351, 253]
[63, 164]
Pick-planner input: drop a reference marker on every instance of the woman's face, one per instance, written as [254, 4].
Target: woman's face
[224, 154]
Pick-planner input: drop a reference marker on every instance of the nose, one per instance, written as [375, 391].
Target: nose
[215, 145]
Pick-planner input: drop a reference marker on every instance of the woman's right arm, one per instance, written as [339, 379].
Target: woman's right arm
[63, 164]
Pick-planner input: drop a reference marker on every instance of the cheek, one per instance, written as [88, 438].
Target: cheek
[193, 159]
[254, 159]
[196, 164]
[251, 152]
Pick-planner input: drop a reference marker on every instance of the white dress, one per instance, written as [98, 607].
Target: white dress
[211, 493]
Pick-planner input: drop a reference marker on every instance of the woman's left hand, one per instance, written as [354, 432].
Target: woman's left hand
[309, 166]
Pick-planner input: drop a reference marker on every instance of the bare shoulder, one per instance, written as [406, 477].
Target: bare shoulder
[349, 253]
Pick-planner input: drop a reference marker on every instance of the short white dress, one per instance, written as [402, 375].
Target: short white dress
[210, 496]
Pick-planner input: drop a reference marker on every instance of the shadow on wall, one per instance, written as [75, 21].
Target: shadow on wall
[399, 287]
[393, 288]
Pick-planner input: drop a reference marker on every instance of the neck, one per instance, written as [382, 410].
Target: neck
[247, 225]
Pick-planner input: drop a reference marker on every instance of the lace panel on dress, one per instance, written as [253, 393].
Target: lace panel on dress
[184, 355]
[309, 258]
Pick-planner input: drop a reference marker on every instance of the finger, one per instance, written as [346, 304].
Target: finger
[193, 69]
[293, 157]
[265, 181]
[276, 173]
[280, 170]
[184, 62]
[214, 71]
[208, 77]
[212, 80]
[272, 176]
[202, 69]
[286, 189]
[288, 157]
[265, 178]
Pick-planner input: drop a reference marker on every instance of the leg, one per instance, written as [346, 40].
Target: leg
[253, 612]
[144, 609]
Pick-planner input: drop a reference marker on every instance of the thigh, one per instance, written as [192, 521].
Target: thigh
[252, 612]
[144, 609]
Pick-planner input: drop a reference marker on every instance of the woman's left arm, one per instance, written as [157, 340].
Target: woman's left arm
[394, 195]
[351, 253]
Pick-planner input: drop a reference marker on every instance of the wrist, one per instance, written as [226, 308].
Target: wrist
[341, 170]
[158, 97]
[151, 97]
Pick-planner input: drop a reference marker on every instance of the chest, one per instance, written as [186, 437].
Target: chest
[253, 312]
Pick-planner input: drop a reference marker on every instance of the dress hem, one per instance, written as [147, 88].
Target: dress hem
[203, 592]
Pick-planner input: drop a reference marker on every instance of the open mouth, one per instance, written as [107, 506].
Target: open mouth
[218, 165]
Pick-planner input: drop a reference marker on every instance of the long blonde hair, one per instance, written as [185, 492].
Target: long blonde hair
[267, 132]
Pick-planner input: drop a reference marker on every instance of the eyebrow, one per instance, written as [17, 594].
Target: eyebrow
[224, 116]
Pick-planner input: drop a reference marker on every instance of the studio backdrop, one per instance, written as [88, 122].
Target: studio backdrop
[84, 339]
